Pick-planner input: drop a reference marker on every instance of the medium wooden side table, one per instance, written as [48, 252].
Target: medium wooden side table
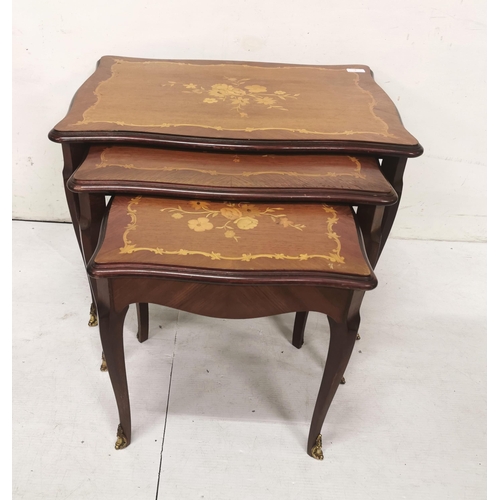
[108, 170]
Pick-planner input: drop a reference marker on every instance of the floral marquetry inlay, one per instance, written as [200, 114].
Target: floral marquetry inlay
[232, 217]
[238, 94]
[233, 100]
[110, 157]
[236, 222]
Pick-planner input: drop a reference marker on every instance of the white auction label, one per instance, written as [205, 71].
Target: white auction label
[355, 70]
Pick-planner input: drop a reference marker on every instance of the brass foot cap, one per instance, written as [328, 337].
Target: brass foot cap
[342, 381]
[93, 316]
[316, 450]
[121, 439]
[358, 336]
[104, 365]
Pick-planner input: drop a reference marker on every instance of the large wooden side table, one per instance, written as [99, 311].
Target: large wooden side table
[191, 130]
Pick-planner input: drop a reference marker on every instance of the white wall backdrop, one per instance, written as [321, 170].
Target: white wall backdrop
[430, 57]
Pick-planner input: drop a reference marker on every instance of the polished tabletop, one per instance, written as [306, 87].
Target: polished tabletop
[231, 241]
[239, 104]
[159, 171]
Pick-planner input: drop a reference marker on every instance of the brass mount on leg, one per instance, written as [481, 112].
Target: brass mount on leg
[93, 315]
[104, 365]
[358, 336]
[343, 380]
[121, 439]
[316, 450]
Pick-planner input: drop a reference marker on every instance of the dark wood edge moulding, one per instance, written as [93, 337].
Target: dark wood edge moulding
[249, 145]
[340, 196]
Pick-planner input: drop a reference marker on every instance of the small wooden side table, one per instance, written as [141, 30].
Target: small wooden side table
[230, 260]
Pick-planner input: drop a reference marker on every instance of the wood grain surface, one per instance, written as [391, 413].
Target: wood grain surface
[140, 170]
[224, 241]
[234, 101]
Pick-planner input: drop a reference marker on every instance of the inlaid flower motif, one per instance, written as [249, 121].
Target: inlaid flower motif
[239, 94]
[199, 205]
[249, 209]
[268, 101]
[243, 216]
[200, 224]
[257, 88]
[203, 224]
[223, 90]
[246, 223]
[230, 213]
[240, 101]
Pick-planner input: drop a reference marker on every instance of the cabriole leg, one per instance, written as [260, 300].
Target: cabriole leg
[298, 329]
[341, 345]
[111, 331]
[142, 322]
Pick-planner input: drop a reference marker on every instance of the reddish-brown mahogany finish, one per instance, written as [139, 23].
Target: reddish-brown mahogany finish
[166, 172]
[259, 108]
[156, 250]
[236, 106]
[309, 117]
